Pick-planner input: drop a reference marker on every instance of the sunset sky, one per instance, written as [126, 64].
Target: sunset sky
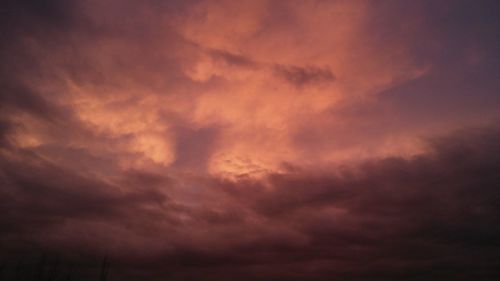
[253, 140]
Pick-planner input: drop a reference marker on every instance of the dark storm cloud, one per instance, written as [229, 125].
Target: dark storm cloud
[433, 216]
[22, 21]
[37, 194]
[5, 129]
[393, 218]
[31, 30]
[22, 98]
[29, 15]
[424, 216]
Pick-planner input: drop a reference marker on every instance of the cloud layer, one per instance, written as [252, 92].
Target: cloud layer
[432, 216]
[269, 140]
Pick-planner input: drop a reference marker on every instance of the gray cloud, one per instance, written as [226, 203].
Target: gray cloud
[393, 218]
[303, 76]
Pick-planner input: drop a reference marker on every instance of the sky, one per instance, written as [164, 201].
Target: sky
[252, 139]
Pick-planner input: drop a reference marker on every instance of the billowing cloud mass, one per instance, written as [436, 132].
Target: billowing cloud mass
[251, 140]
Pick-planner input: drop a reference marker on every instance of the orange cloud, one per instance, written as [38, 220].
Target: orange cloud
[258, 70]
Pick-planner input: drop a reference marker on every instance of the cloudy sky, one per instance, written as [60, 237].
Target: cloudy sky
[253, 139]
